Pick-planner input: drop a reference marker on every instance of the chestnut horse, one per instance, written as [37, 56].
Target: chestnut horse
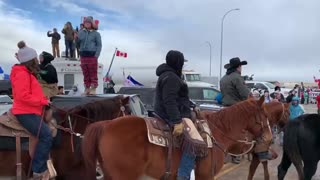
[278, 114]
[122, 148]
[66, 155]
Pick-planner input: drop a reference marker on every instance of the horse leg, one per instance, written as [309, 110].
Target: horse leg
[283, 166]
[266, 171]
[310, 168]
[253, 166]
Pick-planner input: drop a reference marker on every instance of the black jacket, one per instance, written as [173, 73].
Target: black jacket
[48, 72]
[172, 100]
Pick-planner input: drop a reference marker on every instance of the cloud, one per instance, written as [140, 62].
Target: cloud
[279, 39]
[21, 27]
[73, 8]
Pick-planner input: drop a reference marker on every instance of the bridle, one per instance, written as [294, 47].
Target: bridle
[246, 141]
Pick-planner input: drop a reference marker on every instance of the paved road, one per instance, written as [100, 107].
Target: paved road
[240, 172]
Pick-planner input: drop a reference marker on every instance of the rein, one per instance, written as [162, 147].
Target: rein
[246, 142]
[220, 146]
[70, 129]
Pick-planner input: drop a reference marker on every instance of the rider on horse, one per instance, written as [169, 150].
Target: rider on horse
[28, 104]
[173, 105]
[234, 90]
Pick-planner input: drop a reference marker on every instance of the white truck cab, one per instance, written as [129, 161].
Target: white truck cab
[193, 79]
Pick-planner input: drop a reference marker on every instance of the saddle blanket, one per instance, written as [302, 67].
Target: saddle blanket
[159, 132]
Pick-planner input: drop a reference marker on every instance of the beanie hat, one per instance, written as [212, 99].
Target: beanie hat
[47, 56]
[89, 19]
[26, 54]
[175, 60]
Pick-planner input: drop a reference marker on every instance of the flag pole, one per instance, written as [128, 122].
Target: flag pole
[114, 54]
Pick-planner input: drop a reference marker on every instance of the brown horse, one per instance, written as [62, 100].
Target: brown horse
[122, 148]
[278, 114]
[66, 155]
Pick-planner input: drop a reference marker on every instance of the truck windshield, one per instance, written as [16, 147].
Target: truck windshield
[193, 77]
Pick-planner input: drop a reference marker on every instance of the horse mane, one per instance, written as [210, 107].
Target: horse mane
[96, 110]
[241, 111]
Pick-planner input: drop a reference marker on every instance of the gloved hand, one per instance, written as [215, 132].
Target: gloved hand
[178, 129]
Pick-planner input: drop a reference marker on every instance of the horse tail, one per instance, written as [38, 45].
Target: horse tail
[291, 145]
[90, 145]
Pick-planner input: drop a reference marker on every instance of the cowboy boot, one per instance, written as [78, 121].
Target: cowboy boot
[92, 91]
[86, 91]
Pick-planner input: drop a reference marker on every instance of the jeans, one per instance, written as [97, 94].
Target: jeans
[187, 163]
[32, 122]
[69, 48]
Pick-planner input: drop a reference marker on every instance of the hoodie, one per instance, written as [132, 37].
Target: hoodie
[172, 100]
[295, 110]
[27, 92]
[48, 72]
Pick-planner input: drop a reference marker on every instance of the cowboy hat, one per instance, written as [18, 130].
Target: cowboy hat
[234, 63]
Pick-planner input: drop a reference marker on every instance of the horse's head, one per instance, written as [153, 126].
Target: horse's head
[256, 117]
[278, 113]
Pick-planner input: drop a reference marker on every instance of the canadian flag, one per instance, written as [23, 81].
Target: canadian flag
[121, 54]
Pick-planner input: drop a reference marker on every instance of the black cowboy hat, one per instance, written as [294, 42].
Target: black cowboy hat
[234, 63]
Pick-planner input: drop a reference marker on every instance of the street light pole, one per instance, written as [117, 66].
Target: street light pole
[221, 43]
[210, 57]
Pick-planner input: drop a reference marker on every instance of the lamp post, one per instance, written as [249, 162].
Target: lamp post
[221, 43]
[207, 42]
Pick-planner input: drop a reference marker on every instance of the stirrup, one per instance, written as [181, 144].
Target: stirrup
[52, 171]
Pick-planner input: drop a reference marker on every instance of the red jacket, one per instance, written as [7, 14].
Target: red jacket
[28, 97]
[318, 101]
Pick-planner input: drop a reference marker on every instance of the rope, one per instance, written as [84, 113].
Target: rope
[38, 134]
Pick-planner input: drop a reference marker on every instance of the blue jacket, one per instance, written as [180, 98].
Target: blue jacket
[219, 98]
[295, 110]
[89, 42]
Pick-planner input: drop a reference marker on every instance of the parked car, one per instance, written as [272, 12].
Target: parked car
[198, 94]
[263, 85]
[136, 106]
[146, 94]
[5, 87]
[5, 103]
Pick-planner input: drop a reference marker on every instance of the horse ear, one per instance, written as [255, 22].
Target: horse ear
[261, 101]
[125, 100]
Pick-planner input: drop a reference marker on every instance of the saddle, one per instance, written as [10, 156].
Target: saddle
[11, 127]
[159, 131]
[194, 140]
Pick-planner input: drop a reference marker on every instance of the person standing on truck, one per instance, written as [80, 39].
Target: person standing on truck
[55, 38]
[68, 38]
[89, 40]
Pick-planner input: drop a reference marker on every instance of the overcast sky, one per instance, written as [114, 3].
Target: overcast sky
[279, 38]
